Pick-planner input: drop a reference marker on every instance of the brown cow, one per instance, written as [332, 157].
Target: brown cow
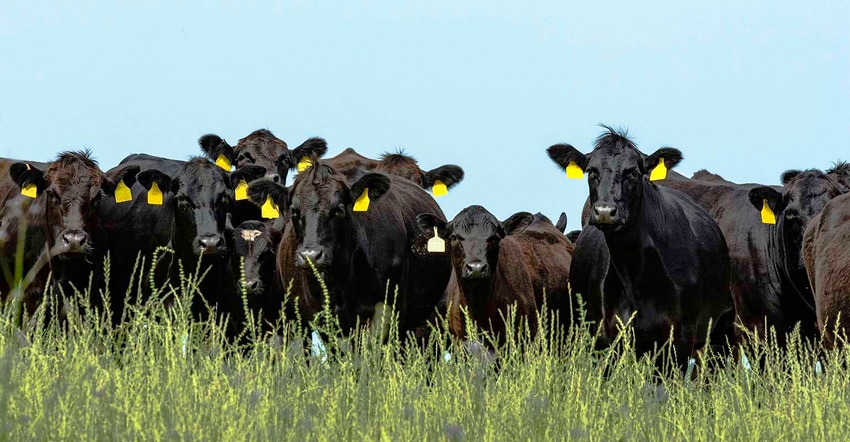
[827, 260]
[496, 265]
[58, 206]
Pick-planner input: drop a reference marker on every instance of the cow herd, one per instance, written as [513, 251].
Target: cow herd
[698, 259]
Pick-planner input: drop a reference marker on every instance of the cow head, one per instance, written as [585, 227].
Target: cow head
[260, 148]
[616, 174]
[321, 206]
[474, 238]
[256, 242]
[200, 196]
[403, 165]
[68, 193]
[804, 195]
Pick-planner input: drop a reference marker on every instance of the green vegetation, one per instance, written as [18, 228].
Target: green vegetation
[163, 376]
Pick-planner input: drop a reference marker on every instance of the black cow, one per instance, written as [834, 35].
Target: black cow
[349, 163]
[496, 265]
[57, 203]
[362, 255]
[259, 153]
[187, 211]
[668, 258]
[254, 249]
[827, 259]
[768, 278]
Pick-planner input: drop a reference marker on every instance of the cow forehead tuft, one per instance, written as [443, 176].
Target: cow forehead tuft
[251, 235]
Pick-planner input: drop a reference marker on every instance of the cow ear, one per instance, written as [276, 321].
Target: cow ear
[150, 176]
[260, 190]
[113, 177]
[573, 236]
[448, 174]
[312, 148]
[25, 174]
[428, 221]
[247, 174]
[789, 175]
[775, 200]
[516, 223]
[564, 154]
[218, 150]
[672, 157]
[377, 183]
[561, 225]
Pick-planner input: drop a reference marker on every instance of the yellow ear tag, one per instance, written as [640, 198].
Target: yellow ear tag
[573, 171]
[269, 209]
[241, 191]
[29, 190]
[767, 216]
[122, 193]
[155, 195]
[362, 203]
[660, 171]
[436, 244]
[304, 164]
[439, 189]
[223, 162]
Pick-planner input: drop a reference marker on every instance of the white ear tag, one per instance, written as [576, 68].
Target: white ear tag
[436, 244]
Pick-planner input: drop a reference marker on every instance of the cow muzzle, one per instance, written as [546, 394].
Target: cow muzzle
[605, 214]
[74, 241]
[314, 254]
[253, 286]
[210, 244]
[475, 270]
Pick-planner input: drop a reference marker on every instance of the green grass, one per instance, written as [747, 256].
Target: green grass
[162, 376]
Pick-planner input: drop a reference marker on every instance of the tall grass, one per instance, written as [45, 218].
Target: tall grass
[161, 375]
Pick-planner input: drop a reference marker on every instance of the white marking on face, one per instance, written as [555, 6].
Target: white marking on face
[251, 235]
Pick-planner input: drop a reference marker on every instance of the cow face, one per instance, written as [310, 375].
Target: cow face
[260, 148]
[200, 197]
[804, 195]
[256, 243]
[474, 238]
[616, 173]
[321, 207]
[69, 194]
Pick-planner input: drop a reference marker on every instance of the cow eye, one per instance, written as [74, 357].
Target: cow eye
[592, 173]
[454, 237]
[630, 173]
[339, 211]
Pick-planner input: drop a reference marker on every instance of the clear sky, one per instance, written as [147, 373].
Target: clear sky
[744, 89]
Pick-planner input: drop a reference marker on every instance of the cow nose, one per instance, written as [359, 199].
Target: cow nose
[75, 239]
[316, 255]
[604, 213]
[253, 285]
[476, 269]
[274, 177]
[209, 243]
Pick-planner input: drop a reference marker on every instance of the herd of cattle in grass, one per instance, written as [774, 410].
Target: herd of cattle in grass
[693, 258]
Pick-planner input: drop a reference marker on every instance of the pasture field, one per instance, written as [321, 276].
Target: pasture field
[162, 376]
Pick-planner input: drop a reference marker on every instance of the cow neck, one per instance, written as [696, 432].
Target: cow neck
[793, 277]
[478, 295]
[626, 246]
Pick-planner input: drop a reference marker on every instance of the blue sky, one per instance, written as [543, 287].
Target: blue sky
[744, 90]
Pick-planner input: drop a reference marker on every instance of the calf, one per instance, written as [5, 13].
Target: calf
[827, 259]
[363, 254]
[496, 265]
[255, 253]
[668, 260]
[57, 204]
